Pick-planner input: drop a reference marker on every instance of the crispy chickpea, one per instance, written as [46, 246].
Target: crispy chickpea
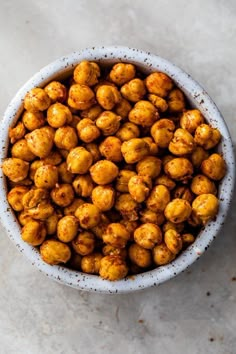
[46, 176]
[109, 250]
[198, 156]
[187, 239]
[33, 120]
[84, 243]
[182, 143]
[139, 187]
[34, 233]
[110, 148]
[149, 166]
[108, 122]
[171, 226]
[89, 215]
[123, 108]
[34, 197]
[92, 112]
[51, 224]
[191, 119]
[21, 150]
[83, 185]
[133, 90]
[64, 175]
[173, 241]
[158, 199]
[87, 130]
[116, 235]
[206, 136]
[54, 158]
[148, 235]
[25, 182]
[102, 83]
[66, 138]
[162, 132]
[158, 102]
[103, 197]
[100, 229]
[178, 210]
[56, 91]
[40, 141]
[75, 120]
[94, 150]
[179, 169]
[214, 167]
[165, 181]
[15, 169]
[33, 168]
[202, 185]
[127, 206]
[149, 216]
[108, 96]
[144, 113]
[123, 180]
[122, 73]
[36, 100]
[15, 196]
[67, 228]
[183, 192]
[162, 255]
[24, 218]
[153, 147]
[113, 268]
[159, 83]
[79, 160]
[134, 150]
[55, 252]
[87, 73]
[81, 97]
[58, 115]
[17, 132]
[167, 158]
[128, 131]
[176, 102]
[42, 211]
[130, 226]
[140, 256]
[91, 263]
[70, 210]
[62, 194]
[205, 207]
[104, 172]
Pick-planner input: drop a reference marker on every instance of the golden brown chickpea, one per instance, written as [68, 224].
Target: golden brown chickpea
[128, 131]
[110, 148]
[140, 256]
[182, 143]
[191, 119]
[149, 166]
[130, 226]
[75, 120]
[70, 210]
[46, 176]
[179, 169]
[42, 211]
[202, 185]
[127, 206]
[148, 235]
[162, 255]
[183, 192]
[123, 108]
[116, 235]
[21, 150]
[144, 113]
[94, 150]
[100, 229]
[133, 90]
[33, 120]
[153, 147]
[159, 83]
[140, 187]
[123, 180]
[122, 73]
[36, 100]
[104, 172]
[103, 197]
[64, 175]
[158, 102]
[89, 215]
[92, 112]
[108, 96]
[33, 168]
[91, 263]
[102, 83]
[34, 197]
[108, 122]
[25, 182]
[162, 132]
[17, 132]
[176, 102]
[187, 239]
[79, 160]
[15, 169]
[58, 115]
[173, 241]
[113, 268]
[87, 73]
[134, 150]
[165, 181]
[84, 243]
[75, 261]
[214, 167]
[167, 158]
[54, 158]
[51, 224]
[56, 91]
[158, 199]
[24, 218]
[66, 138]
[34, 233]
[178, 210]
[149, 216]
[83, 185]
[109, 250]
[81, 97]
[205, 207]
[15, 196]
[62, 194]
[40, 141]
[206, 136]
[170, 226]
[67, 228]
[198, 156]
[55, 252]
[87, 130]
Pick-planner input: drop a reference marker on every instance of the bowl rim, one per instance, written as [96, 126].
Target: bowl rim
[149, 62]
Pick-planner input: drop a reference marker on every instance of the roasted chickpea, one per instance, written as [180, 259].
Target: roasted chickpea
[183, 192]
[84, 243]
[187, 239]
[214, 167]
[148, 235]
[123, 180]
[123, 108]
[17, 132]
[134, 150]
[122, 73]
[51, 224]
[67, 228]
[66, 138]
[34, 197]
[206, 136]
[149, 166]
[54, 158]
[56, 91]
[87, 73]
[178, 210]
[81, 97]
[46, 176]
[36, 100]
[108, 122]
[64, 153]
[158, 102]
[182, 143]
[162, 255]
[109, 250]
[153, 147]
[162, 132]
[113, 268]
[75, 120]
[176, 102]
[133, 90]
[171, 226]
[83, 185]
[104, 172]
[40, 141]
[165, 181]
[55, 252]
[100, 229]
[103, 197]
[21, 150]
[116, 235]
[159, 83]
[15, 196]
[127, 206]
[191, 119]
[87, 130]
[173, 241]
[144, 113]
[202, 185]
[42, 211]
[24, 218]
[92, 112]
[34, 233]
[94, 150]
[108, 96]
[33, 168]
[102, 83]
[130, 226]
[158, 199]
[128, 131]
[62, 194]
[70, 210]
[140, 256]
[64, 175]
[25, 182]
[33, 120]
[89, 215]
[15, 169]
[149, 216]
[179, 169]
[58, 115]
[205, 207]
[79, 160]
[110, 148]
[91, 263]
[140, 187]
[198, 156]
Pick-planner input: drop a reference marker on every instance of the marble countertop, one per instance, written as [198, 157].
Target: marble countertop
[194, 313]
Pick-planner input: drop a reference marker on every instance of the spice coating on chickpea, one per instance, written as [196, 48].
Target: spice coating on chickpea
[176, 101]
[149, 216]
[83, 185]
[92, 112]
[108, 96]
[108, 122]
[46, 176]
[205, 207]
[191, 119]
[84, 243]
[159, 84]
[70, 209]
[149, 166]
[109, 250]
[162, 255]
[79, 160]
[81, 97]
[153, 147]
[110, 148]
[56, 91]
[64, 175]
[58, 115]
[206, 136]
[91, 263]
[87, 130]
[144, 113]
[17, 132]
[62, 194]
[134, 90]
[173, 241]
[103, 197]
[178, 210]
[202, 185]
[33, 120]
[94, 150]
[123, 108]
[134, 150]
[15, 196]
[15, 169]
[87, 73]
[198, 156]
[162, 132]
[116, 235]
[122, 73]
[122, 180]
[36, 100]
[128, 131]
[34, 233]
[67, 228]
[182, 143]
[127, 206]
[55, 252]
[140, 256]
[165, 181]
[88, 215]
[214, 167]
[51, 224]
[139, 187]
[66, 138]
[179, 169]
[158, 102]
[158, 199]
[21, 150]
[40, 141]
[104, 172]
[148, 235]
[113, 268]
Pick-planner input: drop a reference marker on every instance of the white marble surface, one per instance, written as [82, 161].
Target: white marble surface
[196, 312]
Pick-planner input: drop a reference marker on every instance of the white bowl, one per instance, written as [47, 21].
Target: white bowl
[197, 97]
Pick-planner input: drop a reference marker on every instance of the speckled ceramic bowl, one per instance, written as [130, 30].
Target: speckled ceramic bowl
[197, 97]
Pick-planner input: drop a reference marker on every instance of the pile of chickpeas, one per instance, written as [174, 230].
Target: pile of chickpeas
[110, 172]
